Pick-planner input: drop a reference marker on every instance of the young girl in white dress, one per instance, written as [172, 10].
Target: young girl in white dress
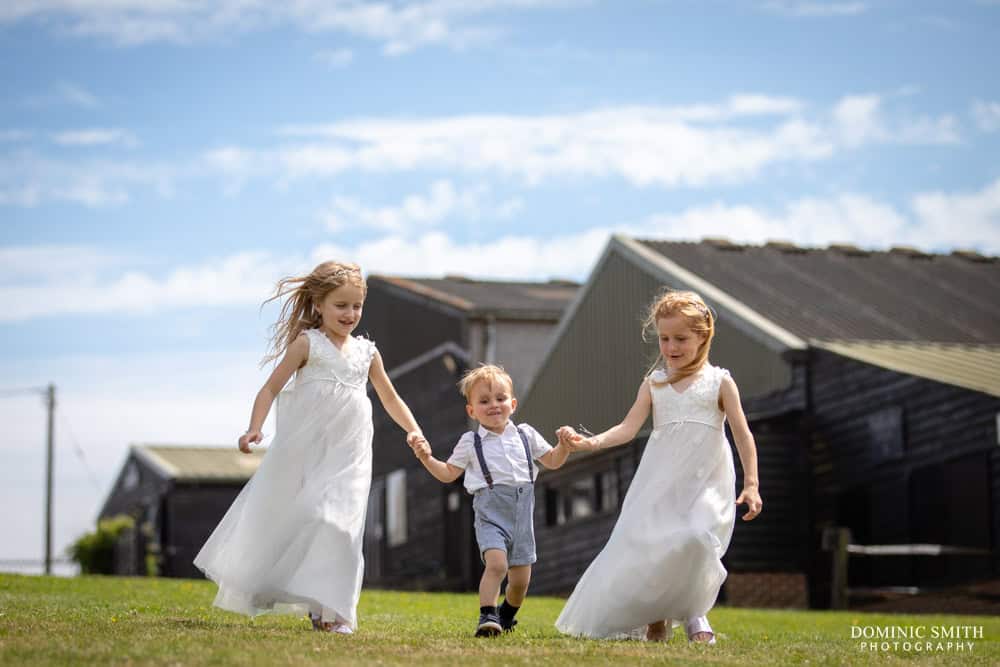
[661, 566]
[291, 541]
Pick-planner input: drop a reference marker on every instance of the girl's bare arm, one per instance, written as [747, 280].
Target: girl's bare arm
[295, 356]
[729, 398]
[391, 401]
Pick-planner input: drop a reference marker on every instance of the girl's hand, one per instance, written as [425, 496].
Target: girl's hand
[414, 437]
[248, 438]
[421, 448]
[574, 441]
[751, 497]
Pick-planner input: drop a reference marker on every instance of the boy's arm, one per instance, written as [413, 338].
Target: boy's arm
[441, 470]
[557, 456]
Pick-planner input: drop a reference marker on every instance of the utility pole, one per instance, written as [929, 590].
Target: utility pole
[50, 400]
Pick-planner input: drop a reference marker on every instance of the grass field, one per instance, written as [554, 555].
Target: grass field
[103, 620]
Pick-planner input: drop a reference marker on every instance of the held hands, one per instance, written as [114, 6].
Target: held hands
[250, 437]
[751, 497]
[418, 443]
[569, 438]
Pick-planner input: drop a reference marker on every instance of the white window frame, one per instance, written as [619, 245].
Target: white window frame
[395, 508]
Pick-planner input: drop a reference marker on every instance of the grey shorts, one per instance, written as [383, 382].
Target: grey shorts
[505, 521]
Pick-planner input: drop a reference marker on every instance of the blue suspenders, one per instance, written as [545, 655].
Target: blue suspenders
[478, 443]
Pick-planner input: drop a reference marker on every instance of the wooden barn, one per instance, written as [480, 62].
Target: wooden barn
[429, 331]
[177, 495]
[870, 381]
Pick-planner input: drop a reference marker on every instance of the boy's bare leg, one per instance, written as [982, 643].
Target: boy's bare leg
[496, 570]
[518, 578]
[657, 632]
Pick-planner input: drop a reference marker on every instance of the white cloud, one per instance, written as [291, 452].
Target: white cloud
[815, 9]
[336, 59]
[96, 137]
[43, 262]
[936, 221]
[399, 27]
[510, 257]
[987, 115]
[644, 145]
[973, 215]
[28, 179]
[242, 278]
[859, 120]
[443, 201]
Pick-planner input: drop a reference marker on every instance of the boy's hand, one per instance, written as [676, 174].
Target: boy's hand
[421, 448]
[574, 441]
[565, 435]
[751, 497]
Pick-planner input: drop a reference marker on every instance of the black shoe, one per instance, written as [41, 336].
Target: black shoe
[507, 624]
[489, 625]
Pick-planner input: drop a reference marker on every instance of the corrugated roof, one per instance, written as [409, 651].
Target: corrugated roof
[540, 299]
[196, 463]
[975, 367]
[842, 292]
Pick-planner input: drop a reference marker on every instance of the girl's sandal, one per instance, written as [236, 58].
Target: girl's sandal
[699, 631]
[337, 627]
[661, 631]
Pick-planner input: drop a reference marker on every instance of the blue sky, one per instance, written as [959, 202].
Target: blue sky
[162, 162]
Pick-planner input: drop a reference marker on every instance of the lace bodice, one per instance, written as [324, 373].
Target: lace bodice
[698, 403]
[348, 365]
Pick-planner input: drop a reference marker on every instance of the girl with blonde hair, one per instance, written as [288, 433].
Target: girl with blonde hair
[291, 541]
[662, 564]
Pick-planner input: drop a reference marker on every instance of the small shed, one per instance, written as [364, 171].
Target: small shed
[177, 495]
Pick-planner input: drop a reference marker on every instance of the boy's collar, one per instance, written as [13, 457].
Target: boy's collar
[483, 431]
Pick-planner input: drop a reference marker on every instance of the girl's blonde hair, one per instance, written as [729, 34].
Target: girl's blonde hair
[304, 293]
[700, 320]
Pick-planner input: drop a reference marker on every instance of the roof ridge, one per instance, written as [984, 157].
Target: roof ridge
[850, 249]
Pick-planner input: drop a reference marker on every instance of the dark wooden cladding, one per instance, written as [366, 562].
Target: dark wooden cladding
[406, 326]
[594, 372]
[776, 541]
[565, 551]
[936, 482]
[431, 393]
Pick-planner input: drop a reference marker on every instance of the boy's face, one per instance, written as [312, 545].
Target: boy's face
[491, 404]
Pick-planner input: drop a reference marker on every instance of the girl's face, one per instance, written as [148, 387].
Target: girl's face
[678, 343]
[341, 310]
[491, 404]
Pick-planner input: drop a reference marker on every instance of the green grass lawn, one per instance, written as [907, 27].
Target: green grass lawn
[106, 620]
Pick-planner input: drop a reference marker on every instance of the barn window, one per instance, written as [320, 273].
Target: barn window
[395, 505]
[131, 478]
[581, 498]
[885, 433]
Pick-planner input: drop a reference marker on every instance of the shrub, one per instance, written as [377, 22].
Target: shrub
[95, 552]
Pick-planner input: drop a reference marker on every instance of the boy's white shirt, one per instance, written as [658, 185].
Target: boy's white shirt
[504, 454]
